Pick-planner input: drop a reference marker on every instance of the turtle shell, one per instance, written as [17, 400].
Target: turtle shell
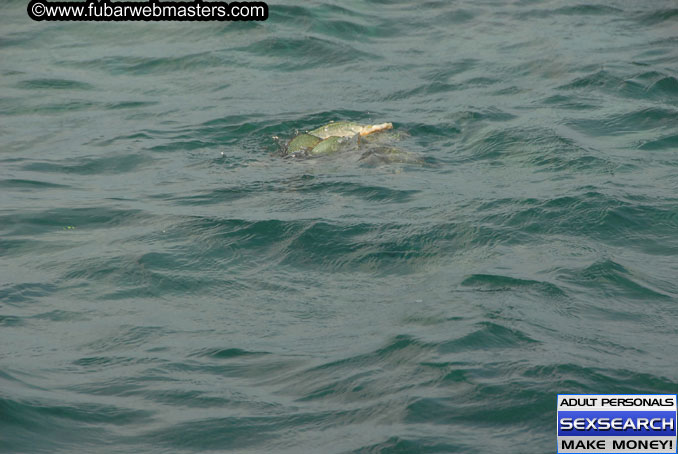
[302, 143]
[328, 146]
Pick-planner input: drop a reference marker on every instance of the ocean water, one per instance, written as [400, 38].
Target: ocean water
[170, 284]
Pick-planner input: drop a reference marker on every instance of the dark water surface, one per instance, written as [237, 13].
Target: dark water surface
[169, 285]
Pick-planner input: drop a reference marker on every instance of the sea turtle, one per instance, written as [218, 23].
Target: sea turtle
[348, 129]
[347, 137]
[330, 138]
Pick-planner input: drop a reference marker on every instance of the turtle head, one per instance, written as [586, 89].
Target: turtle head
[375, 128]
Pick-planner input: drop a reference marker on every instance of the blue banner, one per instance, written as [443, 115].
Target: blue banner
[617, 423]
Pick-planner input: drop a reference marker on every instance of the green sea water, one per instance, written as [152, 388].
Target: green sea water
[170, 284]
